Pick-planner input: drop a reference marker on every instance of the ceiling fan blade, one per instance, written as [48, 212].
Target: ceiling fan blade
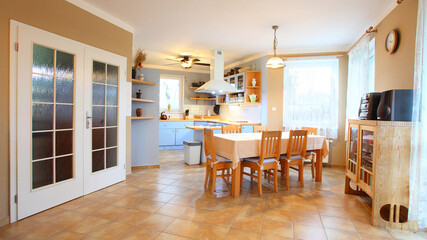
[170, 64]
[174, 59]
[196, 60]
[202, 64]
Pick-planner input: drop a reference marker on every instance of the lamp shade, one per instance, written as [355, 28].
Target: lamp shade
[275, 62]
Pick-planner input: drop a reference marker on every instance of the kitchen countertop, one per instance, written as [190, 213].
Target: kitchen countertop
[201, 128]
[212, 120]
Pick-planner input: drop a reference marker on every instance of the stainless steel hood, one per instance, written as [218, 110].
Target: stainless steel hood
[216, 84]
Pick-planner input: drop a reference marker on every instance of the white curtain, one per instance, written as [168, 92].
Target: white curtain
[418, 169]
[310, 95]
[358, 81]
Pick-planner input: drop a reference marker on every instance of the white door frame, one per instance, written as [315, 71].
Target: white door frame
[13, 79]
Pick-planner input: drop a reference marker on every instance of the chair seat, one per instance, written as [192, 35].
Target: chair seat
[219, 158]
[256, 159]
[294, 157]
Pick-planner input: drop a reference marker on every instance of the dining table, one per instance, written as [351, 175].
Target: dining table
[244, 145]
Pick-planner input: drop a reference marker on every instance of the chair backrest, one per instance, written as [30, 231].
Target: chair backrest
[270, 145]
[258, 129]
[311, 131]
[297, 143]
[230, 129]
[209, 144]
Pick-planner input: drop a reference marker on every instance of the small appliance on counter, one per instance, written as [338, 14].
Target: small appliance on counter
[368, 106]
[396, 105]
[163, 116]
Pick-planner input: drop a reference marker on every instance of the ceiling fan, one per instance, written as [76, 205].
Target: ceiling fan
[187, 61]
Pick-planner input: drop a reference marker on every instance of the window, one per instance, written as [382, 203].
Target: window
[171, 92]
[310, 96]
[371, 65]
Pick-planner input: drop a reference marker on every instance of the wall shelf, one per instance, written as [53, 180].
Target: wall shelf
[194, 87]
[141, 118]
[142, 82]
[142, 100]
[203, 99]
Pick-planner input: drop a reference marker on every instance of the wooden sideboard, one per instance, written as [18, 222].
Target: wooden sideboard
[377, 165]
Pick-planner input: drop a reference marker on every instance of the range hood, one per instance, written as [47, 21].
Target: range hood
[216, 84]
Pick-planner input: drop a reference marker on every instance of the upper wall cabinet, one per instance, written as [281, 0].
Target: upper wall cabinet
[248, 85]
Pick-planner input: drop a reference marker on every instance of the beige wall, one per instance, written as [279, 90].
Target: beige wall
[275, 99]
[396, 71]
[62, 18]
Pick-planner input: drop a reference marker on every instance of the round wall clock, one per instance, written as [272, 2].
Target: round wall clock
[391, 41]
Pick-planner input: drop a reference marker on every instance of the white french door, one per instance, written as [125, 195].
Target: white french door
[58, 152]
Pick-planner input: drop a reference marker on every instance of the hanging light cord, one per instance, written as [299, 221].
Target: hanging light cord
[275, 39]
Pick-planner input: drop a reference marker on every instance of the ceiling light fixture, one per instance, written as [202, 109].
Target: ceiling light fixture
[186, 64]
[275, 62]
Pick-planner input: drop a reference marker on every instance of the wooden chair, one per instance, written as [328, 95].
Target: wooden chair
[295, 155]
[228, 129]
[214, 162]
[310, 156]
[268, 159]
[258, 129]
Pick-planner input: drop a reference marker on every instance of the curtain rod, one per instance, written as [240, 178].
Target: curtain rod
[367, 32]
[312, 55]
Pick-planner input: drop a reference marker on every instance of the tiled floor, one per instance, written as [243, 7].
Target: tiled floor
[170, 203]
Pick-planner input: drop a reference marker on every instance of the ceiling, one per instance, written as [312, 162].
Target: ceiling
[242, 28]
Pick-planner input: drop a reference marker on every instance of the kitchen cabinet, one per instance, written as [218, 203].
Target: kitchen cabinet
[166, 136]
[183, 134]
[377, 165]
[172, 134]
[243, 83]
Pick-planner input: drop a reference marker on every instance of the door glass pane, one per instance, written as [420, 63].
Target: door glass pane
[42, 173]
[42, 117]
[98, 72]
[112, 74]
[64, 64]
[52, 110]
[42, 60]
[240, 83]
[42, 88]
[64, 142]
[367, 149]
[64, 168]
[64, 116]
[42, 145]
[104, 115]
[64, 90]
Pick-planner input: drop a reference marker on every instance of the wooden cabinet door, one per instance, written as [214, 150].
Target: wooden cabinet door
[352, 152]
[365, 176]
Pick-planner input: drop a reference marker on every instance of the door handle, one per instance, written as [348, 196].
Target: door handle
[88, 117]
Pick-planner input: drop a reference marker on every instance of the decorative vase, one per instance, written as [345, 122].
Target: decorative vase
[138, 94]
[169, 107]
[253, 97]
[139, 112]
[253, 82]
[141, 76]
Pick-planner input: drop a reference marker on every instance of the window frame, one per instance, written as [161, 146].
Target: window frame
[181, 80]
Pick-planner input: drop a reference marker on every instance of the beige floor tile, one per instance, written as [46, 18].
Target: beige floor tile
[407, 235]
[111, 212]
[337, 234]
[306, 232]
[67, 235]
[221, 219]
[278, 215]
[363, 227]
[364, 236]
[66, 219]
[156, 222]
[10, 230]
[161, 197]
[140, 234]
[271, 237]
[172, 210]
[181, 227]
[133, 217]
[307, 219]
[167, 236]
[276, 228]
[92, 208]
[253, 211]
[210, 231]
[110, 231]
[149, 206]
[194, 214]
[207, 204]
[247, 224]
[332, 211]
[338, 223]
[236, 234]
[88, 224]
[227, 208]
[128, 202]
[43, 231]
[180, 200]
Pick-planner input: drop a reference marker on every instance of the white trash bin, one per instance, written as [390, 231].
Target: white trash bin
[192, 152]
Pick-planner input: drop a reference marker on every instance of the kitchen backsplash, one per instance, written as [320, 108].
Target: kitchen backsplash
[194, 110]
[238, 113]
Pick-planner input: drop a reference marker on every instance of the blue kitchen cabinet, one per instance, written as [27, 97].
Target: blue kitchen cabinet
[247, 128]
[217, 131]
[166, 136]
[183, 134]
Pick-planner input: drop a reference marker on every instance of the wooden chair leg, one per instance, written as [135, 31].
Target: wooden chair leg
[241, 176]
[213, 175]
[208, 170]
[312, 166]
[301, 173]
[282, 168]
[276, 189]
[252, 173]
[286, 169]
[260, 182]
